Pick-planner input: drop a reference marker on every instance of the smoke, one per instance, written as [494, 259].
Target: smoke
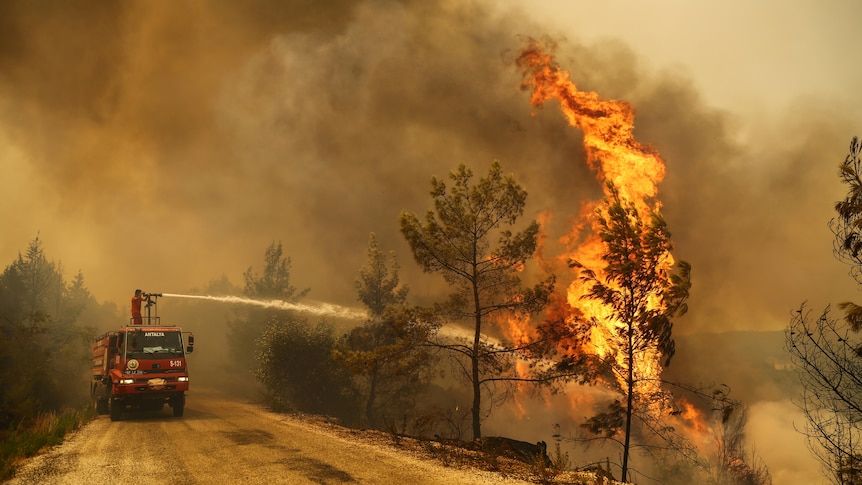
[210, 134]
[217, 128]
[772, 425]
[163, 145]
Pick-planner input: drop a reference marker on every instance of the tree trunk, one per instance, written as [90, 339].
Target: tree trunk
[372, 395]
[630, 384]
[477, 388]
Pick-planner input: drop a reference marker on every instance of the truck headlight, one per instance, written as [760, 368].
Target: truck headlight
[183, 379]
[127, 381]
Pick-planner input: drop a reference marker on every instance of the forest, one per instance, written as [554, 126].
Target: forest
[435, 370]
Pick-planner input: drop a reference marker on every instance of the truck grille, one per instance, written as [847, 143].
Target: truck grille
[160, 371]
[150, 389]
[146, 380]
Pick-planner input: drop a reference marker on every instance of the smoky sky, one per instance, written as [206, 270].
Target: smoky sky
[163, 145]
[160, 145]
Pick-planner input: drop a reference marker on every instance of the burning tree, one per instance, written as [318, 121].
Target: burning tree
[828, 351]
[456, 241]
[627, 291]
[639, 295]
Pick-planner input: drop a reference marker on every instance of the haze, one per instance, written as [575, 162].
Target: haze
[161, 145]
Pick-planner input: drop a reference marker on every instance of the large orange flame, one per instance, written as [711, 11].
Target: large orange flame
[635, 169]
[616, 157]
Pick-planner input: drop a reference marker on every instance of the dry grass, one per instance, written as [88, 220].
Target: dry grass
[455, 454]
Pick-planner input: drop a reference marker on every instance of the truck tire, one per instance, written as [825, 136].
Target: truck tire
[178, 403]
[99, 405]
[115, 409]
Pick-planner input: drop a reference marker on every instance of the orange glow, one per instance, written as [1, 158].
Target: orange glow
[517, 331]
[635, 169]
[693, 424]
[616, 157]
[693, 418]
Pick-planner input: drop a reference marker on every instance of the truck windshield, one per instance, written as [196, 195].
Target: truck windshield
[140, 344]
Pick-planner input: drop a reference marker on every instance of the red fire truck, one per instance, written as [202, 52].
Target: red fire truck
[141, 367]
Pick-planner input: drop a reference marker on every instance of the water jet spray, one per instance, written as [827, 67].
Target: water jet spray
[324, 309]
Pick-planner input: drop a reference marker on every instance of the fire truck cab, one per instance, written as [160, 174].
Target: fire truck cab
[141, 367]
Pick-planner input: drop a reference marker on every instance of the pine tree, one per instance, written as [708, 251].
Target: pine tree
[457, 240]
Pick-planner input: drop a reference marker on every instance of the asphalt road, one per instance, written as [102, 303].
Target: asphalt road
[222, 440]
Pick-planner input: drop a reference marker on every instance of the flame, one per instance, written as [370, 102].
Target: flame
[635, 169]
[695, 425]
[693, 418]
[616, 157]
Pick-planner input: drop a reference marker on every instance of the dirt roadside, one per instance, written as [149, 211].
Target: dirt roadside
[221, 440]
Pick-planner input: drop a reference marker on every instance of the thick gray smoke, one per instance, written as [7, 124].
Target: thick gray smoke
[169, 145]
[165, 145]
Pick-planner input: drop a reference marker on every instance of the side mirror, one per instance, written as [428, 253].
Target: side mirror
[112, 341]
[191, 346]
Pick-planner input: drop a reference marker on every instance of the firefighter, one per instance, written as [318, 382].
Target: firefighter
[136, 307]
